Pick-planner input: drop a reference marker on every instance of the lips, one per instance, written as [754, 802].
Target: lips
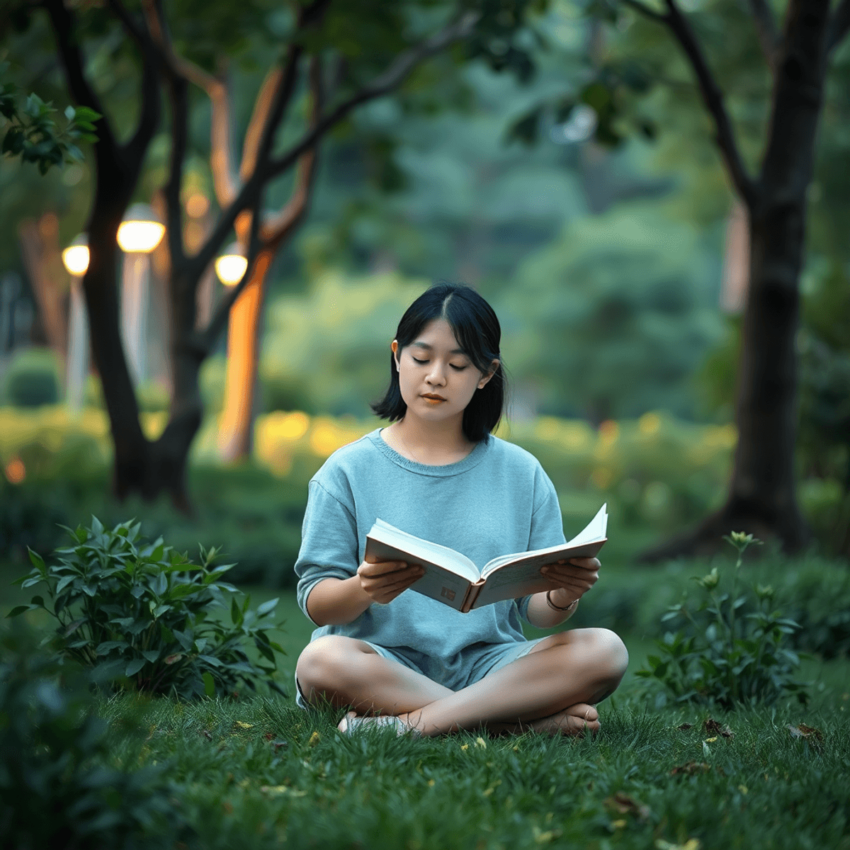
[432, 397]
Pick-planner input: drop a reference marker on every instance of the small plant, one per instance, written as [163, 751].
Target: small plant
[56, 789]
[735, 647]
[142, 615]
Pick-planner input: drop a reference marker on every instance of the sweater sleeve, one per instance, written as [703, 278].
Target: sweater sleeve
[329, 544]
[547, 525]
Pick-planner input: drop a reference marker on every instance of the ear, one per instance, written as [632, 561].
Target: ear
[494, 366]
[394, 347]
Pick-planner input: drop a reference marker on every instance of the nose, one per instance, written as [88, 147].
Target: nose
[436, 376]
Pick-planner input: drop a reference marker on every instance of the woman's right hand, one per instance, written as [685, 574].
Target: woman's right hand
[385, 580]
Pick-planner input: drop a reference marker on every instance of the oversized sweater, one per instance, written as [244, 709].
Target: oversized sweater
[497, 500]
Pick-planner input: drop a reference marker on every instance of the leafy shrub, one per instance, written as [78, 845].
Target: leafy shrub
[32, 379]
[819, 600]
[139, 614]
[55, 789]
[735, 649]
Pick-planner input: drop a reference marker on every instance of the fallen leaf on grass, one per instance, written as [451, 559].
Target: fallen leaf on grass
[623, 804]
[242, 725]
[314, 739]
[206, 734]
[690, 844]
[809, 733]
[277, 790]
[712, 727]
[685, 726]
[691, 768]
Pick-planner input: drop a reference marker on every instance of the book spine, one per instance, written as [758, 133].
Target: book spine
[471, 596]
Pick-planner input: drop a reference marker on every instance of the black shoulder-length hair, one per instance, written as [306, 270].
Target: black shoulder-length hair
[478, 333]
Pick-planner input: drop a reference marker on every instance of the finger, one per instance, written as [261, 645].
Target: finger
[559, 574]
[586, 563]
[381, 568]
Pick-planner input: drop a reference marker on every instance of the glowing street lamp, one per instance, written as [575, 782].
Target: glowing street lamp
[231, 265]
[138, 235]
[76, 261]
[241, 342]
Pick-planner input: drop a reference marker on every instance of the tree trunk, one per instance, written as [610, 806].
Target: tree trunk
[41, 254]
[243, 344]
[762, 495]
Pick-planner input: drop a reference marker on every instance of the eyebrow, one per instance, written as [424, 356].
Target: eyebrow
[430, 348]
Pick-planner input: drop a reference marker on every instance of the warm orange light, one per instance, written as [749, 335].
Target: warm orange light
[141, 231]
[197, 205]
[231, 265]
[76, 258]
[15, 471]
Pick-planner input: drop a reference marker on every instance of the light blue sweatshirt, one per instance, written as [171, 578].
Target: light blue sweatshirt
[495, 501]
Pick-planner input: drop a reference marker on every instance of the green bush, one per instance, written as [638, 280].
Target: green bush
[55, 788]
[32, 379]
[139, 614]
[734, 648]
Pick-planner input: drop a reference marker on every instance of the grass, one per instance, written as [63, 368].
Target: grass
[258, 772]
[261, 773]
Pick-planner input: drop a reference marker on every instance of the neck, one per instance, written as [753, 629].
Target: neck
[430, 443]
[432, 435]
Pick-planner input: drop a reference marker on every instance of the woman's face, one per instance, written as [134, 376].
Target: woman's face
[437, 380]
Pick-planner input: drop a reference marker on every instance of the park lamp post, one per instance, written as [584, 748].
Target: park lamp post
[138, 235]
[230, 268]
[75, 258]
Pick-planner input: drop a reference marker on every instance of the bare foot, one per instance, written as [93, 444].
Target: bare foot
[574, 720]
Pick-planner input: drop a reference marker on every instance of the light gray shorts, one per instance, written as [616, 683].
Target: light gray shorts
[487, 660]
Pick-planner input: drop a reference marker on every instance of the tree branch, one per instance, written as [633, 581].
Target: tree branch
[713, 98]
[275, 231]
[179, 101]
[644, 10]
[269, 236]
[838, 26]
[65, 26]
[277, 89]
[150, 109]
[382, 85]
[767, 31]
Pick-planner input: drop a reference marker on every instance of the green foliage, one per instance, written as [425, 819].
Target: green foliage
[736, 649]
[330, 346]
[263, 774]
[620, 321]
[33, 133]
[32, 379]
[140, 614]
[55, 788]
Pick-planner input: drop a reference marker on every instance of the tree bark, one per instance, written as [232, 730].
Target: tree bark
[235, 432]
[762, 494]
[42, 259]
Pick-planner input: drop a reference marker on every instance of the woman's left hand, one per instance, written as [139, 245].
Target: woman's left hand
[572, 578]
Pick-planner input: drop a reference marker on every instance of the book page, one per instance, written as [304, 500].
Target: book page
[595, 530]
[411, 549]
[522, 578]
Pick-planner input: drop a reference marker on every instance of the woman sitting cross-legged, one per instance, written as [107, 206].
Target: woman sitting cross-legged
[394, 656]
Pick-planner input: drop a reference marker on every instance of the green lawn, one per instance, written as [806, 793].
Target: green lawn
[257, 772]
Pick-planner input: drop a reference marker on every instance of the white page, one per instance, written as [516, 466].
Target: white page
[425, 550]
[595, 530]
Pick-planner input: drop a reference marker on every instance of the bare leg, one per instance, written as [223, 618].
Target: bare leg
[349, 672]
[550, 689]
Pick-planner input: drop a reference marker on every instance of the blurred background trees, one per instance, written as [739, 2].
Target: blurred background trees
[582, 193]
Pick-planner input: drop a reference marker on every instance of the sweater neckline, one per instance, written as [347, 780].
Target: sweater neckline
[445, 471]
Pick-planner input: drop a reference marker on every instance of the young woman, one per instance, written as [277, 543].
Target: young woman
[392, 655]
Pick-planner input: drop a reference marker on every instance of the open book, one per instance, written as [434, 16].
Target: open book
[456, 581]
